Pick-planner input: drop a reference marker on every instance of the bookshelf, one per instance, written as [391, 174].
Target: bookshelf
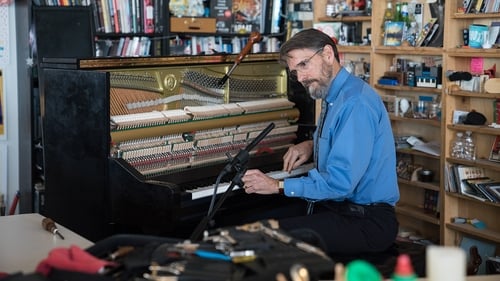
[144, 28]
[458, 58]
[411, 212]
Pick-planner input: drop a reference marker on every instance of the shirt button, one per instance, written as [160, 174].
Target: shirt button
[292, 193]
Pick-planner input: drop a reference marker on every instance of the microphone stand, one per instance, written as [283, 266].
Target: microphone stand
[239, 165]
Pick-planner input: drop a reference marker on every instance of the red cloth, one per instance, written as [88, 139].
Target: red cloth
[72, 259]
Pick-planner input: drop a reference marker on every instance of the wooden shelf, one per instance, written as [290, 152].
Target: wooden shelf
[475, 129]
[464, 197]
[345, 19]
[401, 50]
[354, 49]
[475, 16]
[484, 163]
[418, 184]
[409, 89]
[417, 212]
[423, 121]
[471, 52]
[487, 234]
[416, 152]
[474, 94]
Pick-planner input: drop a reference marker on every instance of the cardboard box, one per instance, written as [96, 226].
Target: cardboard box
[192, 25]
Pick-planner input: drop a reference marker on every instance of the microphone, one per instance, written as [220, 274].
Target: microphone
[237, 164]
[254, 37]
[241, 159]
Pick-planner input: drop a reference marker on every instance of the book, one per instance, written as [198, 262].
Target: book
[248, 16]
[477, 185]
[426, 29]
[495, 150]
[493, 188]
[463, 172]
[148, 18]
[221, 10]
[393, 35]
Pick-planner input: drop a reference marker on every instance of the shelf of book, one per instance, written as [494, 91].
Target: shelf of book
[490, 235]
[416, 153]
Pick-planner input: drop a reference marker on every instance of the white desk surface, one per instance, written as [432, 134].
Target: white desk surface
[24, 243]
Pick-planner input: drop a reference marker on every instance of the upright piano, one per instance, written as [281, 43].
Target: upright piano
[136, 145]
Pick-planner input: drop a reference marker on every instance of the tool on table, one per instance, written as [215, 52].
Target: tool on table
[50, 226]
[254, 37]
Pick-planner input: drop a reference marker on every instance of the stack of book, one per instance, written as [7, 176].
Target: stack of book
[472, 182]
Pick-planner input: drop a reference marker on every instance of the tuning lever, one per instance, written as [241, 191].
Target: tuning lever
[50, 226]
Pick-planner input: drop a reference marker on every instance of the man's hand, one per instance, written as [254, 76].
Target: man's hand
[297, 155]
[256, 181]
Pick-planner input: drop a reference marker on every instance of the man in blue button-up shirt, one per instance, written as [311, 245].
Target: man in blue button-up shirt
[354, 182]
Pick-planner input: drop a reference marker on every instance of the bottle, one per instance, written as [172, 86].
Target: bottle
[397, 12]
[469, 146]
[388, 15]
[457, 146]
[389, 12]
[404, 269]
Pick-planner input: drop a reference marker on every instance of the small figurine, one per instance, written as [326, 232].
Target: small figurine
[358, 5]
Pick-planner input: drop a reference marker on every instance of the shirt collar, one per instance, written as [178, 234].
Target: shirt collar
[336, 85]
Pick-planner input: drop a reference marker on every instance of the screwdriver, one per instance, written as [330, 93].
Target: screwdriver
[50, 226]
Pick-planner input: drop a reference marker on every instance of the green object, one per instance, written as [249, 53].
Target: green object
[360, 270]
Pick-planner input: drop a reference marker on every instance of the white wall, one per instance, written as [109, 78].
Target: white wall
[16, 91]
[9, 142]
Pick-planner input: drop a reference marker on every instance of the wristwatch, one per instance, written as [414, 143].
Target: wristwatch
[281, 187]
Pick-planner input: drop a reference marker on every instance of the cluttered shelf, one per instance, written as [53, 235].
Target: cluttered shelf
[487, 234]
[417, 212]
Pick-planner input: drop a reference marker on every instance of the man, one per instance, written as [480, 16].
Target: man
[354, 184]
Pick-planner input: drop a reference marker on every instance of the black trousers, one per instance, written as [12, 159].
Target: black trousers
[346, 228]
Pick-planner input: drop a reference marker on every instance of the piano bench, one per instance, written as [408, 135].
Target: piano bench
[385, 261]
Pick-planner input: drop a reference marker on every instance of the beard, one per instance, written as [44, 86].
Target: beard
[320, 90]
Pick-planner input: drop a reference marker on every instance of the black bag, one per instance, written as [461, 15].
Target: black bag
[249, 252]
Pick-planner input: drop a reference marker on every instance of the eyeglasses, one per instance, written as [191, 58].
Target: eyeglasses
[302, 66]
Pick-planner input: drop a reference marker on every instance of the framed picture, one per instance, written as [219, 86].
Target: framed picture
[495, 150]
[393, 34]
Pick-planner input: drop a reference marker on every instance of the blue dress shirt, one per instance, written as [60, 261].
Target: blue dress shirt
[357, 157]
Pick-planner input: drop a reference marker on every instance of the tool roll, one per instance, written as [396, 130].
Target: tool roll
[247, 252]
